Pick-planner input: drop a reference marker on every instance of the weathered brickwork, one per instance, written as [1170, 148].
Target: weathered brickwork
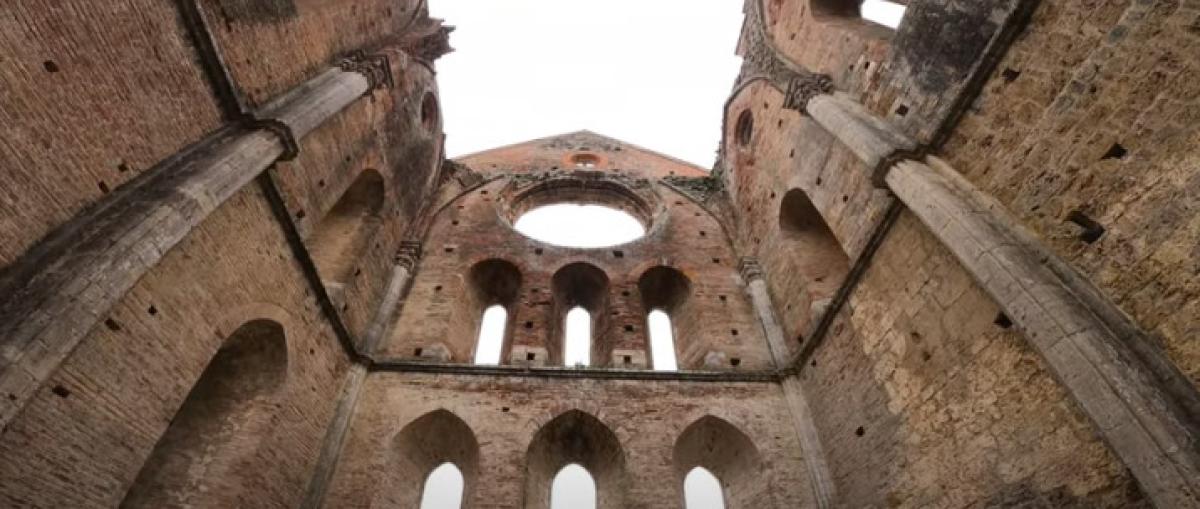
[1096, 111]
[85, 111]
[297, 349]
[714, 316]
[922, 399]
[504, 415]
[82, 440]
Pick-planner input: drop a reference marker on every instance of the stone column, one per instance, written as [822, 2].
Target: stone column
[806, 430]
[1128, 405]
[339, 426]
[95, 259]
[1126, 389]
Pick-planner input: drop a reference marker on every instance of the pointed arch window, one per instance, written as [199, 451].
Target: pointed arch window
[573, 488]
[702, 490]
[491, 335]
[662, 340]
[443, 488]
[577, 347]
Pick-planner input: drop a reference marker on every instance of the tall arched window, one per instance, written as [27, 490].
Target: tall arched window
[217, 429]
[491, 335]
[573, 488]
[443, 488]
[669, 318]
[702, 490]
[578, 345]
[662, 341]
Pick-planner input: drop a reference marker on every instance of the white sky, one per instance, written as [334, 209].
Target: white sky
[575, 225]
[653, 73]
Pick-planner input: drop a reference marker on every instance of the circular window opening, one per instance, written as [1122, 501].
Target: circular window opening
[429, 112]
[744, 128]
[585, 160]
[576, 225]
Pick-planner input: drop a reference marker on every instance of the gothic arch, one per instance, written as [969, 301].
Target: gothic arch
[339, 239]
[424, 444]
[580, 284]
[489, 282]
[216, 429]
[575, 437]
[726, 452]
[667, 289]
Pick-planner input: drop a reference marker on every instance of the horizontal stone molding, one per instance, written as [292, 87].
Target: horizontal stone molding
[65, 286]
[399, 366]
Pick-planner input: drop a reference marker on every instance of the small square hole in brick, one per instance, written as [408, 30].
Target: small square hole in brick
[722, 298]
[618, 254]
[735, 362]
[417, 352]
[628, 359]
[528, 325]
[538, 251]
[716, 260]
[901, 110]
[628, 328]
[448, 249]
[733, 331]
[531, 356]
[1003, 321]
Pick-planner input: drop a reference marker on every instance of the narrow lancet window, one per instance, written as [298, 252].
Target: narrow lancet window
[662, 341]
[573, 488]
[443, 489]
[491, 335]
[702, 490]
[578, 347]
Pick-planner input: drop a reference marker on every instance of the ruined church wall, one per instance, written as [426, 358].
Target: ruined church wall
[95, 94]
[84, 436]
[504, 414]
[716, 315]
[1095, 111]
[922, 399]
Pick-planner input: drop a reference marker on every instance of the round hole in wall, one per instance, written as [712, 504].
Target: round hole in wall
[429, 112]
[579, 225]
[744, 128]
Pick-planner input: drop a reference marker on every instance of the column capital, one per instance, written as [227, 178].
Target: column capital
[408, 254]
[750, 268]
[377, 67]
[803, 87]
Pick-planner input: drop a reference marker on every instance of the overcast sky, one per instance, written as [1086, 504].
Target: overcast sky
[653, 73]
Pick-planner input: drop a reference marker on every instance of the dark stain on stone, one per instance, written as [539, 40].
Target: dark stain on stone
[940, 43]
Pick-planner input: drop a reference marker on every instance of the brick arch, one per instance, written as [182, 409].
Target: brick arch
[425, 443]
[723, 449]
[575, 436]
[491, 281]
[218, 426]
[585, 285]
[667, 289]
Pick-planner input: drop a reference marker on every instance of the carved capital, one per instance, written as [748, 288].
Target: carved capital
[408, 254]
[803, 88]
[376, 67]
[750, 268]
[428, 41]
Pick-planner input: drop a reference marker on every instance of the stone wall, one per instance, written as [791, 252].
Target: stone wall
[505, 414]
